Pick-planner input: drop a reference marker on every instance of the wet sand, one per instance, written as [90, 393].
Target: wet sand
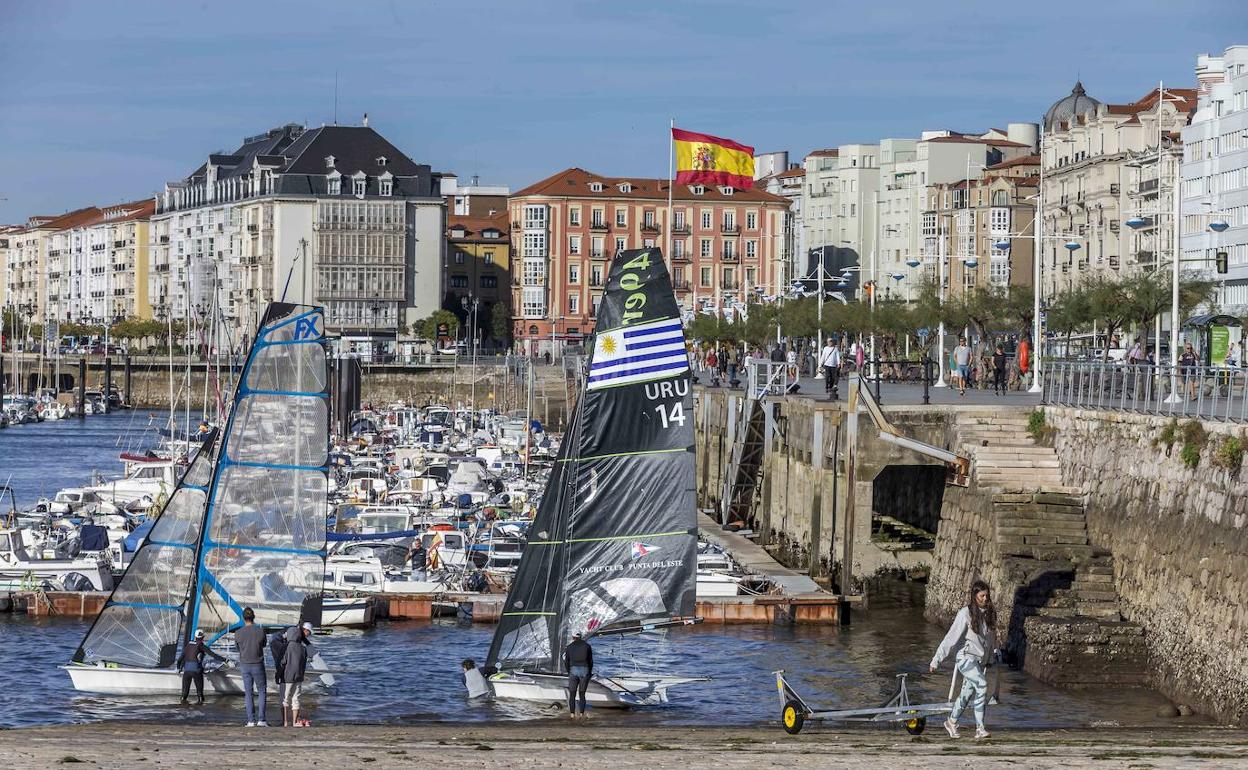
[556, 744]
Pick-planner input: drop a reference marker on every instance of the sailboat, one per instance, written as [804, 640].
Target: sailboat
[245, 527]
[613, 546]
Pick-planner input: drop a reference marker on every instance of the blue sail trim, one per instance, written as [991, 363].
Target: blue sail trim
[201, 571]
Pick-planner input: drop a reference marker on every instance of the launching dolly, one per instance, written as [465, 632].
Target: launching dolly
[794, 711]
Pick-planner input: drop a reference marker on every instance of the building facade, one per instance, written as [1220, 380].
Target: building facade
[479, 272]
[97, 265]
[1215, 175]
[335, 216]
[1104, 164]
[565, 229]
[790, 185]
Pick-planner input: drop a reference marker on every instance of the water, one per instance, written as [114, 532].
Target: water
[39, 459]
[409, 671]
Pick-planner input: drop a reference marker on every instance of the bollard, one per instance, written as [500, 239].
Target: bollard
[879, 375]
[108, 384]
[82, 388]
[927, 377]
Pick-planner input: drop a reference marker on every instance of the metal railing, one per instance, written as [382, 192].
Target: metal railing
[1205, 392]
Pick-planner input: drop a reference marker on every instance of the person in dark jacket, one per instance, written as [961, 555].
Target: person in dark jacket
[578, 658]
[419, 559]
[191, 664]
[293, 667]
[998, 371]
[250, 640]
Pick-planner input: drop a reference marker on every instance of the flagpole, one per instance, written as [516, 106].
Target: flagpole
[671, 182]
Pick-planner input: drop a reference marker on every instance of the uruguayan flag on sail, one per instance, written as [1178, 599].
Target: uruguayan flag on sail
[637, 354]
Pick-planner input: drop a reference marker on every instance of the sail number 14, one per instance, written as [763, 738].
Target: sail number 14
[672, 413]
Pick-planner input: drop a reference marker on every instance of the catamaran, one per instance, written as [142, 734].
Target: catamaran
[245, 526]
[613, 547]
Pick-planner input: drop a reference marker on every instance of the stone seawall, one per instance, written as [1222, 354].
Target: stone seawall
[1180, 542]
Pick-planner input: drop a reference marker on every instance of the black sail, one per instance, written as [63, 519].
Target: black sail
[614, 541]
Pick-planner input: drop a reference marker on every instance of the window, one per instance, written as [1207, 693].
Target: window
[647, 219]
[697, 189]
[726, 190]
[574, 216]
[574, 303]
[459, 257]
[705, 247]
[751, 276]
[574, 273]
[329, 161]
[595, 275]
[621, 217]
[678, 249]
[534, 272]
[620, 244]
[596, 218]
[751, 220]
[730, 250]
[387, 187]
[534, 217]
[999, 219]
[751, 248]
[595, 186]
[704, 277]
[730, 220]
[574, 244]
[678, 218]
[459, 282]
[596, 247]
[626, 187]
[359, 185]
[535, 244]
[381, 161]
[489, 282]
[706, 219]
[335, 185]
[488, 257]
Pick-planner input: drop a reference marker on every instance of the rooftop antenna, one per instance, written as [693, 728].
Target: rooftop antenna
[335, 97]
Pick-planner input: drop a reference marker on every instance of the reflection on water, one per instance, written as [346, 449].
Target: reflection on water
[409, 672]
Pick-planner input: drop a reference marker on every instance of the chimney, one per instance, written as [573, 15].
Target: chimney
[366, 120]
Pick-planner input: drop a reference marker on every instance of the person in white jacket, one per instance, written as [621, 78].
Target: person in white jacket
[974, 629]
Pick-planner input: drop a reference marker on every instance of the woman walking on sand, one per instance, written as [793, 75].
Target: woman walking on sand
[974, 629]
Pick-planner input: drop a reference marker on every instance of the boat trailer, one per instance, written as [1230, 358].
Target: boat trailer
[794, 711]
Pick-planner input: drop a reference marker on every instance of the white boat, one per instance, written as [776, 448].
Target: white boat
[348, 611]
[613, 548]
[154, 480]
[128, 680]
[22, 569]
[245, 527]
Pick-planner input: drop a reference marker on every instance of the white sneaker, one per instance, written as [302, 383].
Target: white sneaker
[951, 727]
[250, 724]
[981, 733]
[262, 723]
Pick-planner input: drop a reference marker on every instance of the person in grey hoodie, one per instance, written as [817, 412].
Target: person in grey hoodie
[974, 629]
[251, 640]
[294, 665]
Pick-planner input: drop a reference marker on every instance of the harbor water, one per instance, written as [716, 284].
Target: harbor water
[403, 672]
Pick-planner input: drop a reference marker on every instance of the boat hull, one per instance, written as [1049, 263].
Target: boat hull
[348, 612]
[624, 691]
[166, 681]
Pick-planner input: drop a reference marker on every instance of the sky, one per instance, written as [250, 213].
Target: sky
[103, 102]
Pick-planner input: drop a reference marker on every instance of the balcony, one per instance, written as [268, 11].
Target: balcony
[680, 284]
[680, 228]
[729, 285]
[597, 254]
[598, 224]
[729, 256]
[650, 227]
[595, 282]
[1148, 186]
[681, 257]
[730, 229]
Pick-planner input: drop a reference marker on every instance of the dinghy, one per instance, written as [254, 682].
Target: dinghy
[245, 527]
[613, 547]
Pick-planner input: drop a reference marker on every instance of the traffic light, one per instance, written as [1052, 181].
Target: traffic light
[1219, 258]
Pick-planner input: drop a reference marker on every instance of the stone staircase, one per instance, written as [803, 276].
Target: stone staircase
[1068, 606]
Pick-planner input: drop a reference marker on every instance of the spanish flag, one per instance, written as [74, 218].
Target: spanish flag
[706, 159]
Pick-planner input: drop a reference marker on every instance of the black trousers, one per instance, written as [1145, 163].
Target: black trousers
[576, 692]
[198, 678]
[998, 380]
[831, 378]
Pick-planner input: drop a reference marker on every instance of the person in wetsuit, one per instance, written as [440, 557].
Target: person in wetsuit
[578, 658]
[191, 664]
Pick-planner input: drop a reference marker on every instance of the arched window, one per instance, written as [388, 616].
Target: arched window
[533, 330]
[1000, 198]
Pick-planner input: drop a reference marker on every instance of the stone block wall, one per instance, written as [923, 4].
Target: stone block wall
[1179, 537]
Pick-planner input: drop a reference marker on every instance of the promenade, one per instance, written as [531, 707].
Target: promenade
[557, 744]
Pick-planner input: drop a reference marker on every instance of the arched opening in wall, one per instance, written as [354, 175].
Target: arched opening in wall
[905, 503]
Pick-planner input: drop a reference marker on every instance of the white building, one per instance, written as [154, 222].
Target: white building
[335, 216]
[789, 184]
[1215, 173]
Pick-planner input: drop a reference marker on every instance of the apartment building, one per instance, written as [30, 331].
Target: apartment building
[1104, 164]
[335, 216]
[96, 265]
[724, 242]
[789, 184]
[1215, 175]
[478, 269]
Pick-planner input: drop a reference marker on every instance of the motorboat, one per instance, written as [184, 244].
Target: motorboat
[22, 568]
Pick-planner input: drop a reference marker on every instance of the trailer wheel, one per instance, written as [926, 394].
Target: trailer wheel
[915, 726]
[794, 716]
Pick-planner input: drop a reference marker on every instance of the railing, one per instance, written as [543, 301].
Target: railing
[730, 229]
[681, 228]
[649, 227]
[597, 224]
[1207, 392]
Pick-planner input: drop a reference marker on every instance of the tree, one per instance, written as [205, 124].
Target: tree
[1112, 302]
[500, 322]
[428, 328]
[1069, 312]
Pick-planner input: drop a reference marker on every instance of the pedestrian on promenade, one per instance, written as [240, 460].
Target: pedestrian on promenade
[962, 360]
[578, 658]
[830, 361]
[250, 640]
[974, 634]
[1187, 365]
[998, 371]
[191, 664]
[294, 666]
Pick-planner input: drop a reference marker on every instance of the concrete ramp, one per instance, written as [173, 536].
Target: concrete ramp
[752, 557]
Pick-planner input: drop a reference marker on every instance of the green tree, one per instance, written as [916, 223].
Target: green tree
[428, 327]
[500, 322]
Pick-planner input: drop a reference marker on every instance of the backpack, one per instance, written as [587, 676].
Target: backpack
[278, 648]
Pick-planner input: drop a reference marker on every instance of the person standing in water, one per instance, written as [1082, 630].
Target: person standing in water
[191, 664]
[974, 629]
[578, 658]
